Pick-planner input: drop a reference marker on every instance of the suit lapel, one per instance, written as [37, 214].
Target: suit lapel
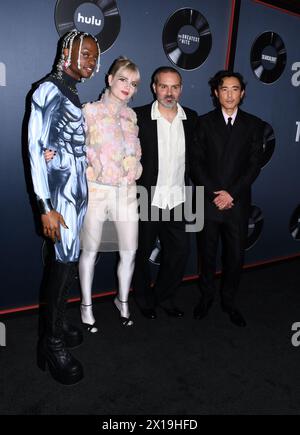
[235, 142]
[152, 140]
[220, 128]
[149, 140]
[218, 132]
[185, 123]
[188, 141]
[237, 131]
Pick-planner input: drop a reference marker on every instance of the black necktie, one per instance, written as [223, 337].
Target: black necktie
[229, 125]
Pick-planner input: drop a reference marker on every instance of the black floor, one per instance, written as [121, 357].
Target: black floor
[171, 366]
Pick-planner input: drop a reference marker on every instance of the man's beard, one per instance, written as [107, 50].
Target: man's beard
[167, 105]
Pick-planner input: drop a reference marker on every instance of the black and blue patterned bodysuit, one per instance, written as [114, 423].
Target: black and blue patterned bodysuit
[57, 123]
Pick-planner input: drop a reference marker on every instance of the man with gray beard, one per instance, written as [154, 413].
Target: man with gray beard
[166, 135]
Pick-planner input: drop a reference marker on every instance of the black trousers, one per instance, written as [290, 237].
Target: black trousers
[232, 234]
[175, 248]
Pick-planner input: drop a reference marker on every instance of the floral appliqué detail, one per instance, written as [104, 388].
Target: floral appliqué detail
[113, 147]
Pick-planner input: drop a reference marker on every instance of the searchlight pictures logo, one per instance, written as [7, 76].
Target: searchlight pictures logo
[2, 74]
[2, 335]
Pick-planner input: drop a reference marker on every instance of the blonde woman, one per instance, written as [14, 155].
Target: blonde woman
[114, 153]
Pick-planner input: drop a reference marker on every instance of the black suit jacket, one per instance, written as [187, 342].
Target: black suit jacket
[220, 161]
[149, 144]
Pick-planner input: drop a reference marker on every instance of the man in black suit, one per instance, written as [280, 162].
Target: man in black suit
[166, 134]
[226, 161]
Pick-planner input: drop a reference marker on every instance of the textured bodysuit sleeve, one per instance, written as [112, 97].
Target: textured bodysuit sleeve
[44, 104]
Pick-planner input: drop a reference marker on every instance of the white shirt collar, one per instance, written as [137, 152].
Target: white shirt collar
[233, 116]
[155, 113]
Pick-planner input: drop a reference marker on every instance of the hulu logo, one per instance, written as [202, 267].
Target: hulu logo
[88, 20]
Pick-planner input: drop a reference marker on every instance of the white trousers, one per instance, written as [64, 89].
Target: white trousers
[119, 232]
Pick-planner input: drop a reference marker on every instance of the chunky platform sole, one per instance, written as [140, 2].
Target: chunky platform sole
[63, 378]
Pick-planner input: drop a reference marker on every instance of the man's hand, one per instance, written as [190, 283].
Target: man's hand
[51, 225]
[223, 200]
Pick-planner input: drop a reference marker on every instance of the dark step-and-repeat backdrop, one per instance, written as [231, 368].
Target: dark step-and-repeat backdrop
[193, 35]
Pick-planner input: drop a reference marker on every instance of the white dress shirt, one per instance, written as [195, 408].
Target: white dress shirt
[233, 116]
[170, 186]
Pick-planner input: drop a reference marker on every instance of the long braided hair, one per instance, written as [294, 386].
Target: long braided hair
[67, 43]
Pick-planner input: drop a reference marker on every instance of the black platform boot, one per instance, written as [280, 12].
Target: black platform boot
[72, 335]
[52, 351]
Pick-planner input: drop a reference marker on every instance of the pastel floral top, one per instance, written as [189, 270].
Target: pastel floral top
[113, 146]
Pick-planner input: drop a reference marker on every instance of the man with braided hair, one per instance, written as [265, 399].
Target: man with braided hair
[56, 123]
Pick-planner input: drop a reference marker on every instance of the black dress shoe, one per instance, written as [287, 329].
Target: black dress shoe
[235, 317]
[173, 312]
[202, 309]
[149, 313]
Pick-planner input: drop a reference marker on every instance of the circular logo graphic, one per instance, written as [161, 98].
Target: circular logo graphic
[268, 144]
[100, 18]
[268, 57]
[89, 18]
[295, 224]
[255, 226]
[187, 39]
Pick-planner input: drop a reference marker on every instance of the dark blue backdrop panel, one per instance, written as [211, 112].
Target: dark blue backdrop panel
[28, 40]
[27, 48]
[276, 191]
[140, 38]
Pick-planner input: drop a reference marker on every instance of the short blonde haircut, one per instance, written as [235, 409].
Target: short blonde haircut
[124, 63]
